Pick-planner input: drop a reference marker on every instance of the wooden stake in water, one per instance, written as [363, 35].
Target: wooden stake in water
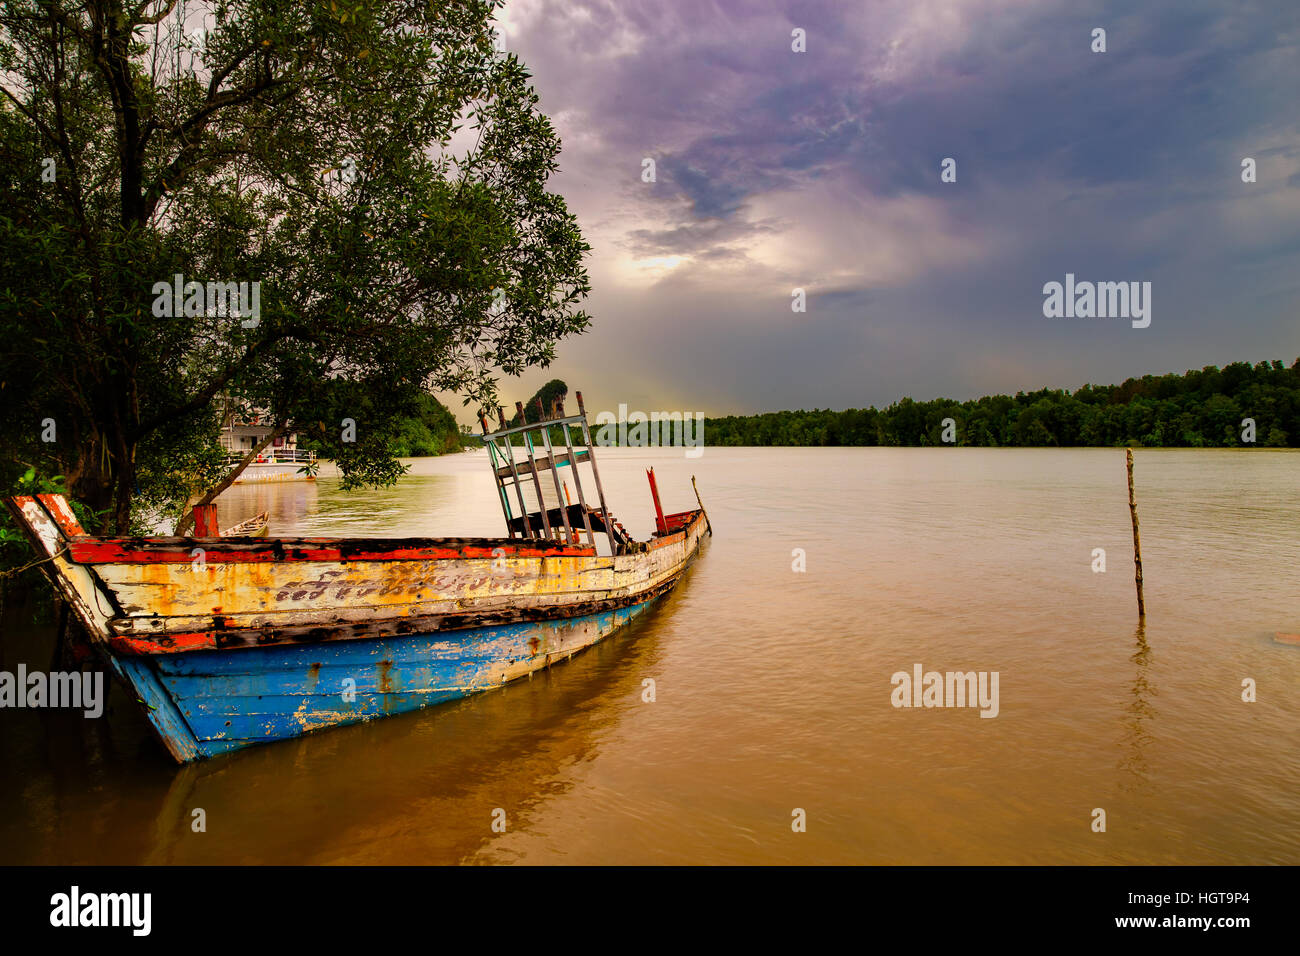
[1137, 540]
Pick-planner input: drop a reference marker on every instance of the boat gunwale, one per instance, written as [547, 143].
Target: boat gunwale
[223, 637]
[91, 549]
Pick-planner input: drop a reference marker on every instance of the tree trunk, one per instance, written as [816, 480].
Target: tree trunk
[103, 478]
[124, 481]
[94, 486]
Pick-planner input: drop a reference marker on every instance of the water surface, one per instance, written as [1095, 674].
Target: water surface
[773, 685]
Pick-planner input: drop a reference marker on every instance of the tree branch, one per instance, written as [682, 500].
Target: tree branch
[139, 19]
[204, 396]
[187, 520]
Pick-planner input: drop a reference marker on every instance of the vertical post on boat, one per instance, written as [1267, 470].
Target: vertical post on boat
[577, 479]
[514, 472]
[205, 521]
[707, 523]
[532, 464]
[660, 523]
[496, 476]
[555, 473]
[1137, 540]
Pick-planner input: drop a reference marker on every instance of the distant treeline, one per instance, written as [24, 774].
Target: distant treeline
[1199, 409]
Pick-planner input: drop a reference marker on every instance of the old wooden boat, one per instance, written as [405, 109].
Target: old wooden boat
[254, 527]
[229, 642]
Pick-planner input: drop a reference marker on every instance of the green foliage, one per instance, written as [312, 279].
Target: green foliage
[176, 465]
[1200, 409]
[548, 395]
[433, 431]
[429, 429]
[378, 167]
[15, 551]
[553, 391]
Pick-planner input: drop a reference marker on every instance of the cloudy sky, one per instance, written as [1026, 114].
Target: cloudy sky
[821, 170]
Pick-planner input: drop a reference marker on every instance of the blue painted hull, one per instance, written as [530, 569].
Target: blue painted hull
[205, 703]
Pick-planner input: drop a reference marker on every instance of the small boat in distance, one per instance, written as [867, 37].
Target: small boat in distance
[228, 642]
[254, 527]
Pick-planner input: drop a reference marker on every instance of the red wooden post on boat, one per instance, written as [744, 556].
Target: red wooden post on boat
[205, 521]
[660, 523]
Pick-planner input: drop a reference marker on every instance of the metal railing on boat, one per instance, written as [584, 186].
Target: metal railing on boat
[556, 516]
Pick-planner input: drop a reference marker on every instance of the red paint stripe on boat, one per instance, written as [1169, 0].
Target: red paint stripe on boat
[57, 506]
[127, 551]
[164, 644]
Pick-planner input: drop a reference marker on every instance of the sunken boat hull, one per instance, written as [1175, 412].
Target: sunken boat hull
[228, 642]
[217, 701]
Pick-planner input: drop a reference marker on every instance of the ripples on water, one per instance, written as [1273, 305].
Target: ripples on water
[773, 687]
